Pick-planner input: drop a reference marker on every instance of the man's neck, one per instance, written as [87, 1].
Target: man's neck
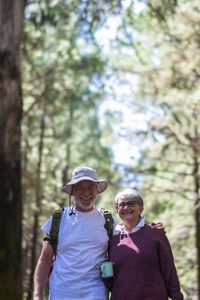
[81, 209]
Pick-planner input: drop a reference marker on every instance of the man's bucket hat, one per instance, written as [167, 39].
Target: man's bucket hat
[85, 173]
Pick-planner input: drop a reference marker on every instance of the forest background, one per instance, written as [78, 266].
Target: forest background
[71, 95]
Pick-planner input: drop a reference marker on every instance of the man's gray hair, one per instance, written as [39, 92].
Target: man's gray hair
[129, 194]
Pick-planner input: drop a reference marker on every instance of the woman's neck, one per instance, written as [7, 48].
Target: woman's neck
[130, 224]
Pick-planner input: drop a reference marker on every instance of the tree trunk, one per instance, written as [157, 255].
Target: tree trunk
[11, 25]
[38, 201]
[65, 173]
[197, 214]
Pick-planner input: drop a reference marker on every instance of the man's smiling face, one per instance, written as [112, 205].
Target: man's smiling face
[85, 193]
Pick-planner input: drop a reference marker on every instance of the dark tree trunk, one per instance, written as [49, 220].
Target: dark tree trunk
[37, 201]
[11, 25]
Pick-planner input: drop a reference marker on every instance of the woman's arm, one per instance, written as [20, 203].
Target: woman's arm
[168, 268]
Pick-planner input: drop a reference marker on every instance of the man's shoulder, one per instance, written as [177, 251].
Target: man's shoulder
[103, 210]
[106, 214]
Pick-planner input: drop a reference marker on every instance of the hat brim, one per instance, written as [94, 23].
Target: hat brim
[101, 184]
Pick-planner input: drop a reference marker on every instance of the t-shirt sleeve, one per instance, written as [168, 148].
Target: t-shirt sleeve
[115, 223]
[47, 226]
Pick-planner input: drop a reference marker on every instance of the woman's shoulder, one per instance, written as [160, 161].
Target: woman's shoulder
[148, 228]
[154, 231]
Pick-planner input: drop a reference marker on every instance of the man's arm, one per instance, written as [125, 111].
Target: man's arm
[158, 225]
[42, 270]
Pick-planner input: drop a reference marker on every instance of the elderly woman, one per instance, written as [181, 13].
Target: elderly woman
[143, 261]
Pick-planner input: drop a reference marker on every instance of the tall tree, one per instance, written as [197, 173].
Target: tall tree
[11, 28]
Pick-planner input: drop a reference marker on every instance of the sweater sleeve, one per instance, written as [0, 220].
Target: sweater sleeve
[168, 268]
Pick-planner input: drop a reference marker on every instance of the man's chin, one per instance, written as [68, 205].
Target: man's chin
[85, 206]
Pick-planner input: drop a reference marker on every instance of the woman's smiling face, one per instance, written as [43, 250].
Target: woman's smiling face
[129, 209]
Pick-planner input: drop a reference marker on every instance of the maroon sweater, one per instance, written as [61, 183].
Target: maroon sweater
[144, 267]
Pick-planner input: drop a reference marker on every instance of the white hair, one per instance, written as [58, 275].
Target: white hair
[129, 194]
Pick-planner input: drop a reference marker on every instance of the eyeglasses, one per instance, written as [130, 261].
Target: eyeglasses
[128, 204]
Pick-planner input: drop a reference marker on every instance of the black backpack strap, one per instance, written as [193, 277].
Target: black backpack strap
[56, 218]
[109, 222]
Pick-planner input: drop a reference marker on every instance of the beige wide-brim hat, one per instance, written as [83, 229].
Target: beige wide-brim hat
[85, 173]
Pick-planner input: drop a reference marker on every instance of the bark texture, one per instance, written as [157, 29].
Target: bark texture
[11, 24]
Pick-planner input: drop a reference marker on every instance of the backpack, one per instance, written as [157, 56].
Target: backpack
[56, 218]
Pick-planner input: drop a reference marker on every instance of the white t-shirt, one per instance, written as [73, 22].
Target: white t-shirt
[82, 244]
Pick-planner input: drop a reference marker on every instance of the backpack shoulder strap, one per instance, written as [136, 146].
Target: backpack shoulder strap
[56, 218]
[109, 222]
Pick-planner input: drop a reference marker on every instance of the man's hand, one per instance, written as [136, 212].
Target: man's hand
[158, 225]
[99, 268]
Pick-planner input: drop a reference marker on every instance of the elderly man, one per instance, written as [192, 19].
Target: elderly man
[82, 244]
